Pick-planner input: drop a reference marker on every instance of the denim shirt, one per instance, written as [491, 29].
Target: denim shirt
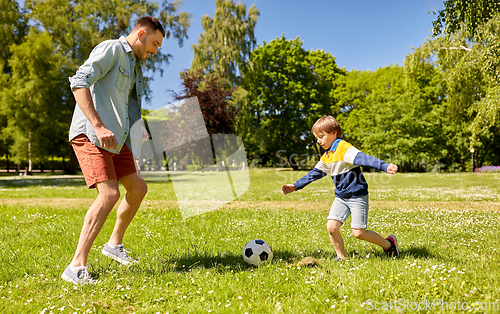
[109, 74]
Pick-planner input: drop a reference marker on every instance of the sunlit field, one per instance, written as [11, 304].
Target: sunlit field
[446, 224]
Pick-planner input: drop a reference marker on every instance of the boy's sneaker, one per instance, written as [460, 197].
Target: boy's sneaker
[119, 254]
[80, 276]
[393, 251]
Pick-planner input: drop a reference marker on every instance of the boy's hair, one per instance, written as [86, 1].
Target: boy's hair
[150, 23]
[326, 124]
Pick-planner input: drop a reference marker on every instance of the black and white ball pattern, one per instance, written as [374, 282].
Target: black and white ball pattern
[257, 252]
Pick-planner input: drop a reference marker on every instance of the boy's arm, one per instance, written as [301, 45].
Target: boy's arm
[313, 175]
[358, 158]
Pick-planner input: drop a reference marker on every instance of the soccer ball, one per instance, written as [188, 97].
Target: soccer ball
[257, 252]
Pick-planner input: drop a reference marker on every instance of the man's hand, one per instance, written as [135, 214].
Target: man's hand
[106, 138]
[392, 169]
[289, 188]
[84, 101]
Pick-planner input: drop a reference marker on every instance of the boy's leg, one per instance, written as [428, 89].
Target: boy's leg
[339, 212]
[359, 209]
[333, 227]
[136, 190]
[372, 237]
[109, 194]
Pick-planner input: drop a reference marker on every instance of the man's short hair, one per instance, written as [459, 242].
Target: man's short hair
[326, 124]
[151, 23]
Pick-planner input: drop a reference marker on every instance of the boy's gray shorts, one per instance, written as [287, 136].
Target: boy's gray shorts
[357, 207]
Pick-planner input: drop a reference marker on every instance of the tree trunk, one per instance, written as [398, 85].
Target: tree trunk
[293, 163]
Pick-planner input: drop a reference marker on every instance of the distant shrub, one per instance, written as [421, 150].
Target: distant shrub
[454, 167]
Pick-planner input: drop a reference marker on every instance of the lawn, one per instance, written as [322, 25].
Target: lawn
[446, 224]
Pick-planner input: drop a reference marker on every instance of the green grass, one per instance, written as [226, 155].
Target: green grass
[446, 225]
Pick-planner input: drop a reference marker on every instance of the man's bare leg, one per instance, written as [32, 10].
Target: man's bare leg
[109, 194]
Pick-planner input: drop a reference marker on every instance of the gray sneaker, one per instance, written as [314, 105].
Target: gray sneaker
[79, 277]
[119, 254]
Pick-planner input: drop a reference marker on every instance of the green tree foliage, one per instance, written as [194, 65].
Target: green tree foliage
[288, 89]
[13, 27]
[470, 74]
[227, 41]
[33, 102]
[465, 16]
[390, 117]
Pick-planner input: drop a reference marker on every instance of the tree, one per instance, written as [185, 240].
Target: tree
[388, 116]
[227, 41]
[35, 107]
[465, 16]
[288, 89]
[470, 74]
[13, 27]
[214, 94]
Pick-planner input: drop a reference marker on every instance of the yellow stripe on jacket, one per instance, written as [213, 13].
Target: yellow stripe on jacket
[338, 155]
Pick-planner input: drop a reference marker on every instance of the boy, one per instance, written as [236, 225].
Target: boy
[341, 160]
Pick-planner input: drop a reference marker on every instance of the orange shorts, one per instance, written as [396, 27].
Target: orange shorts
[100, 165]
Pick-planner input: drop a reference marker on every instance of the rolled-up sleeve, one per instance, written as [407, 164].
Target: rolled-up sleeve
[100, 61]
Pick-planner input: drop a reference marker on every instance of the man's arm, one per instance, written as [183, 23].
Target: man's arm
[84, 101]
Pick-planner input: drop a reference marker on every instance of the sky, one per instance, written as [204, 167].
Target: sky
[360, 34]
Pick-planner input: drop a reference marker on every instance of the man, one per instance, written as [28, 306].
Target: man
[107, 90]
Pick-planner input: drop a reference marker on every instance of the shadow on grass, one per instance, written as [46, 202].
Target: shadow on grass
[417, 252]
[223, 262]
[227, 262]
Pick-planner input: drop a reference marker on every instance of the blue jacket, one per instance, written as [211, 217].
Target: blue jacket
[342, 162]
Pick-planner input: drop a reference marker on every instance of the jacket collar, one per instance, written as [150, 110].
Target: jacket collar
[125, 44]
[334, 145]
